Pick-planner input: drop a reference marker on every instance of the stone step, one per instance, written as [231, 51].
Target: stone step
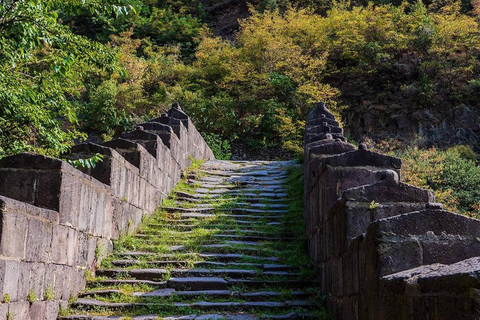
[241, 187]
[153, 238]
[189, 227]
[208, 316]
[235, 180]
[207, 283]
[195, 215]
[203, 264]
[187, 197]
[251, 238]
[155, 274]
[236, 183]
[228, 294]
[264, 197]
[231, 210]
[209, 256]
[92, 304]
[244, 193]
[228, 247]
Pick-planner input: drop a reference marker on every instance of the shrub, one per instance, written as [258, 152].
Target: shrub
[220, 147]
[452, 174]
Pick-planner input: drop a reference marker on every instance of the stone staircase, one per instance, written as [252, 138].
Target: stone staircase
[221, 247]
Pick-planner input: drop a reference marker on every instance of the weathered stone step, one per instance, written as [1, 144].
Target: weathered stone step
[247, 196]
[192, 226]
[203, 264]
[251, 238]
[188, 197]
[228, 247]
[213, 238]
[195, 215]
[244, 193]
[222, 209]
[154, 274]
[92, 304]
[209, 256]
[207, 283]
[246, 173]
[120, 282]
[289, 284]
[234, 181]
[210, 316]
[240, 187]
[226, 294]
[229, 257]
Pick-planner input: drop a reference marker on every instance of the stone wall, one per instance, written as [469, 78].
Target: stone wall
[383, 249]
[58, 222]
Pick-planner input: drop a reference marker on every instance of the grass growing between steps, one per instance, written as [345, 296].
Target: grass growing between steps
[293, 223]
[156, 238]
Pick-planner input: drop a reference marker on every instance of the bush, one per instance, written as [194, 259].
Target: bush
[452, 174]
[101, 113]
[220, 147]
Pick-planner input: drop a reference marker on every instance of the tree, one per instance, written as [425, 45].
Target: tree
[42, 64]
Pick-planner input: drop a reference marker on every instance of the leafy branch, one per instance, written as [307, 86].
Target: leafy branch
[87, 163]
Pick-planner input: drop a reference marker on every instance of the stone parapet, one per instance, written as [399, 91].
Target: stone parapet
[58, 222]
[382, 249]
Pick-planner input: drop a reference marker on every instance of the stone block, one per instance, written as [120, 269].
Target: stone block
[406, 241]
[37, 279]
[20, 310]
[48, 188]
[52, 310]
[319, 121]
[60, 244]
[38, 310]
[320, 112]
[148, 140]
[3, 311]
[129, 150]
[389, 190]
[10, 275]
[39, 241]
[14, 235]
[18, 184]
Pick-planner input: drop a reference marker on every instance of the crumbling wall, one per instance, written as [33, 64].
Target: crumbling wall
[383, 249]
[58, 222]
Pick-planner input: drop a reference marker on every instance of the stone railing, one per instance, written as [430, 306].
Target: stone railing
[58, 222]
[383, 249]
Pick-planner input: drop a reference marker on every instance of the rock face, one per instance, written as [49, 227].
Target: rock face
[383, 249]
[57, 221]
[441, 126]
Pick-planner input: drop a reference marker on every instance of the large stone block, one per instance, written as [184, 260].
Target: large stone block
[424, 237]
[14, 235]
[320, 112]
[39, 241]
[435, 291]
[20, 310]
[64, 242]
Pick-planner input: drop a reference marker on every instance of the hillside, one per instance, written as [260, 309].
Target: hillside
[398, 75]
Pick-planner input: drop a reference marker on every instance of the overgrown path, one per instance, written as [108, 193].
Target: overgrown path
[228, 244]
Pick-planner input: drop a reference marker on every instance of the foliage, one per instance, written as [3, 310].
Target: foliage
[42, 65]
[87, 163]
[57, 81]
[32, 296]
[220, 147]
[454, 174]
